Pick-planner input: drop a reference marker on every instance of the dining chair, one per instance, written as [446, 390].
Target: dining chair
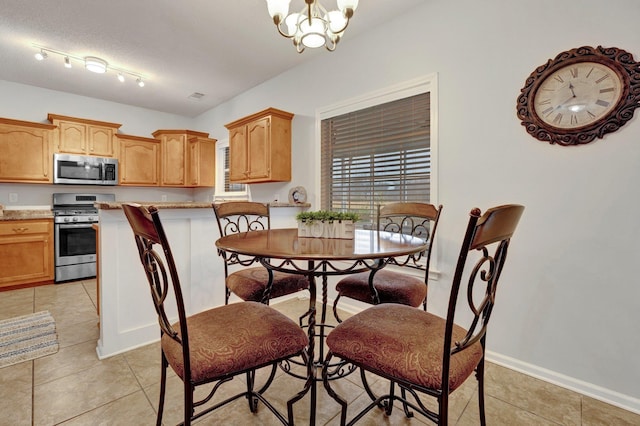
[416, 219]
[217, 344]
[423, 353]
[251, 283]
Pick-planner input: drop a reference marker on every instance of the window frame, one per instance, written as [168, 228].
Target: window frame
[403, 90]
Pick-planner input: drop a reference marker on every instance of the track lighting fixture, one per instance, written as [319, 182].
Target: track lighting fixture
[91, 63]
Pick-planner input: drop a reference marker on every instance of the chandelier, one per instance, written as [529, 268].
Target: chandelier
[313, 26]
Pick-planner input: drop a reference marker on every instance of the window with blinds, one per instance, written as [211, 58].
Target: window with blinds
[376, 155]
[226, 189]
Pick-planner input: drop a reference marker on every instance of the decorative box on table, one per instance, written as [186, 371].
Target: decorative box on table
[326, 224]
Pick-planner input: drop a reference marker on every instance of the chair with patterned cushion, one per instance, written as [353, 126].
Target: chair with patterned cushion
[416, 219]
[250, 283]
[215, 345]
[422, 353]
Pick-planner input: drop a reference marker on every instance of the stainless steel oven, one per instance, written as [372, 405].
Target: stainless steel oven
[74, 236]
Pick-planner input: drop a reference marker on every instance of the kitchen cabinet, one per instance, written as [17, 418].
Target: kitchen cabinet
[26, 251]
[85, 137]
[260, 147]
[139, 160]
[26, 150]
[187, 158]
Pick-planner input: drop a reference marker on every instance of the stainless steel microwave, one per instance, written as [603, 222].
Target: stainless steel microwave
[84, 170]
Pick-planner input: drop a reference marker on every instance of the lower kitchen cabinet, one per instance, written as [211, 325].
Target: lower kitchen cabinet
[26, 251]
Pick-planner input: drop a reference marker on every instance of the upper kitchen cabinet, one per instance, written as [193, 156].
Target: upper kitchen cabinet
[85, 137]
[139, 160]
[187, 158]
[25, 151]
[260, 147]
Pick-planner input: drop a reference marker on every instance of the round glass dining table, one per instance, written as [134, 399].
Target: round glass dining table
[282, 250]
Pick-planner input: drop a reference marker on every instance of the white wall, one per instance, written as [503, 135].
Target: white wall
[568, 304]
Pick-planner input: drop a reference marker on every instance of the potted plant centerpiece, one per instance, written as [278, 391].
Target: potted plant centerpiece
[326, 224]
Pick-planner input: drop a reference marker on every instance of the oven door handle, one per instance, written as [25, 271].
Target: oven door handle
[74, 225]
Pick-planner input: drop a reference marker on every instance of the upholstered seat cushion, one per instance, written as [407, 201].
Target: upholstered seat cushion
[250, 283]
[403, 342]
[392, 287]
[232, 338]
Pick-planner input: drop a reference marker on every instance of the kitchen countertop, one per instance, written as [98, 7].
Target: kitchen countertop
[182, 205]
[25, 214]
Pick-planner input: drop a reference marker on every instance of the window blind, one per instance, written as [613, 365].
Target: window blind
[376, 155]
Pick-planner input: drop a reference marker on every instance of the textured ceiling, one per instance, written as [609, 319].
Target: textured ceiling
[217, 48]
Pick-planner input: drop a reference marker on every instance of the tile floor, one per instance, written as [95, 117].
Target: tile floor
[73, 387]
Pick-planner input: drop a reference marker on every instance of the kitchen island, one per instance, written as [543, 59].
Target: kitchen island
[127, 317]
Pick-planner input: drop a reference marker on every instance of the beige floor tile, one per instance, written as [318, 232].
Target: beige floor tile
[90, 286]
[541, 398]
[15, 394]
[78, 332]
[598, 413]
[145, 363]
[15, 297]
[75, 394]
[134, 409]
[500, 413]
[16, 303]
[67, 361]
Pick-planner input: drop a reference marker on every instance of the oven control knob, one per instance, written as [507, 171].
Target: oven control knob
[75, 219]
[66, 219]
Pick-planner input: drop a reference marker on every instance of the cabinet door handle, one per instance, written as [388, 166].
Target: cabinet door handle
[20, 230]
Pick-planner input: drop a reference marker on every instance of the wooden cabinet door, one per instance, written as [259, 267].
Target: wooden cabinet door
[100, 141]
[25, 151]
[73, 137]
[259, 150]
[139, 161]
[238, 154]
[174, 150]
[202, 160]
[26, 252]
[260, 147]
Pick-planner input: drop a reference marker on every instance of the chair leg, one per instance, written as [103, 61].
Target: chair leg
[188, 402]
[253, 401]
[443, 416]
[331, 392]
[480, 377]
[163, 386]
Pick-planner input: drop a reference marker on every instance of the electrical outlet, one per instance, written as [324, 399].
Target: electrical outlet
[164, 197]
[13, 197]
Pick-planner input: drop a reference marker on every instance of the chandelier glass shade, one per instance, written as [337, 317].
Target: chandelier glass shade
[313, 26]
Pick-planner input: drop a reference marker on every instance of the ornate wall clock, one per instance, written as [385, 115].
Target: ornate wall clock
[580, 95]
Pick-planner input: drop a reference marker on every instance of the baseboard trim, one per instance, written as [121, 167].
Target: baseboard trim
[588, 389]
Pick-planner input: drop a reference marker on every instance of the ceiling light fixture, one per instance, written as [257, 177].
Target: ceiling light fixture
[96, 65]
[313, 26]
[91, 63]
[41, 55]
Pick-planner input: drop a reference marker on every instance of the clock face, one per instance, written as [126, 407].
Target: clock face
[577, 95]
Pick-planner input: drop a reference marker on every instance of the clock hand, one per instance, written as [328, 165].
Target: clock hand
[571, 88]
